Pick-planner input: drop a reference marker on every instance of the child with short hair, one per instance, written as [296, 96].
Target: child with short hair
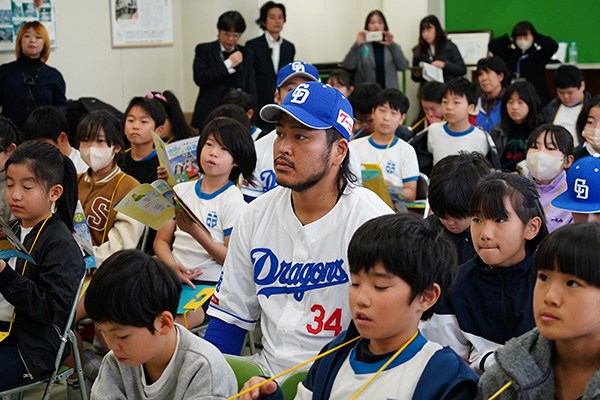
[397, 159]
[588, 126]
[451, 185]
[491, 300]
[142, 116]
[549, 156]
[133, 299]
[457, 133]
[560, 359]
[49, 124]
[225, 151]
[243, 100]
[582, 197]
[393, 288]
[571, 96]
[104, 184]
[37, 297]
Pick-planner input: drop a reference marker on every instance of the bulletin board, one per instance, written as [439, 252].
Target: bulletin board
[14, 13]
[141, 23]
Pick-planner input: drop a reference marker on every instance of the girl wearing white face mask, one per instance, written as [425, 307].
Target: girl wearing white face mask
[526, 54]
[100, 138]
[549, 155]
[588, 125]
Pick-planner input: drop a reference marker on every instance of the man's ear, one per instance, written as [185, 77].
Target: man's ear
[339, 151]
[278, 98]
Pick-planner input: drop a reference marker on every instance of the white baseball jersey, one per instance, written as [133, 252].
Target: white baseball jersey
[398, 161]
[264, 173]
[442, 142]
[294, 277]
[219, 211]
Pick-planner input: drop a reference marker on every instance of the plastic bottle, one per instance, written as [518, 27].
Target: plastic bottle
[573, 53]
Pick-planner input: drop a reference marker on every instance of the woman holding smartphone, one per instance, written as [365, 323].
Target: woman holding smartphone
[375, 57]
[435, 49]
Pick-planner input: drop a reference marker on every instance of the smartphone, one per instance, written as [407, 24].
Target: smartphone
[374, 36]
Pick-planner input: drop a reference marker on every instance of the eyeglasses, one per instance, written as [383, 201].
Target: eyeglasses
[231, 34]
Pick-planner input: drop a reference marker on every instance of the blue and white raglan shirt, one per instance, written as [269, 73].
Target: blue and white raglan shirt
[294, 277]
[219, 211]
[398, 161]
[442, 142]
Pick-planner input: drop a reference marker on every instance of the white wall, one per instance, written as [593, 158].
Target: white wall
[322, 31]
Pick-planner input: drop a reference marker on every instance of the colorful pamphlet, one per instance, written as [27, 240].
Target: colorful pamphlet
[178, 158]
[393, 195]
[11, 246]
[81, 234]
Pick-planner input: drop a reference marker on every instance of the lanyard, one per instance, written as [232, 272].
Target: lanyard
[386, 148]
[4, 335]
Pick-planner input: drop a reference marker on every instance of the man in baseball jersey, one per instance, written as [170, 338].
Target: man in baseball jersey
[288, 78]
[287, 258]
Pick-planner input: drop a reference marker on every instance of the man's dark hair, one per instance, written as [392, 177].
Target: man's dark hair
[409, 248]
[394, 98]
[495, 64]
[364, 97]
[567, 76]
[431, 91]
[132, 288]
[453, 180]
[45, 122]
[231, 20]
[461, 87]
[345, 175]
[264, 12]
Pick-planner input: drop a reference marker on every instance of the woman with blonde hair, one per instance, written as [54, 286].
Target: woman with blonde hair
[29, 82]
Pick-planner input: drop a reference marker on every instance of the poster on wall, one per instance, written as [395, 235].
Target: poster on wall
[141, 22]
[14, 13]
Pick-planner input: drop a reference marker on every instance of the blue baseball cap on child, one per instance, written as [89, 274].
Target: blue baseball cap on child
[583, 187]
[315, 105]
[297, 68]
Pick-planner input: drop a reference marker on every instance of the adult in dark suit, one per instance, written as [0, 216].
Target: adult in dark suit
[271, 52]
[222, 65]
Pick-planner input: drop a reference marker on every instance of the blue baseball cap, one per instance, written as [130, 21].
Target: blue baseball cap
[315, 105]
[583, 187]
[297, 68]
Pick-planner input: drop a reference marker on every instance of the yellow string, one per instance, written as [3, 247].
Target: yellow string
[412, 128]
[556, 195]
[386, 148]
[502, 389]
[384, 366]
[293, 368]
[12, 317]
[112, 197]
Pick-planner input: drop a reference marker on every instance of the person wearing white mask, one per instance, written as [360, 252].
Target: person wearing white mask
[588, 126]
[549, 155]
[526, 54]
[100, 138]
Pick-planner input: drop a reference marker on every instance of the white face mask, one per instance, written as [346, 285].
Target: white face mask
[544, 166]
[592, 136]
[97, 158]
[524, 44]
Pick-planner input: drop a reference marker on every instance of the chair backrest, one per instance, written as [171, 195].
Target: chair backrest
[289, 386]
[422, 186]
[244, 368]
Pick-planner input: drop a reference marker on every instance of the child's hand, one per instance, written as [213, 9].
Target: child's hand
[186, 275]
[161, 173]
[185, 223]
[2, 265]
[258, 393]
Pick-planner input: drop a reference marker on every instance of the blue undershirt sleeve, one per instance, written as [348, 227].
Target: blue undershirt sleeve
[228, 338]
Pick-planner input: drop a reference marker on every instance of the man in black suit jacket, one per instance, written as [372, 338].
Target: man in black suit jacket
[271, 52]
[222, 65]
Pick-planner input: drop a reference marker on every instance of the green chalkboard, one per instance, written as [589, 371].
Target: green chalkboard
[567, 21]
